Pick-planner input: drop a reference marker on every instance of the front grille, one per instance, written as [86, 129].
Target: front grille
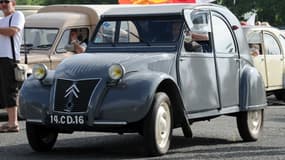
[73, 96]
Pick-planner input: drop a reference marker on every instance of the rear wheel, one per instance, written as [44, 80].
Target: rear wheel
[40, 138]
[250, 124]
[157, 129]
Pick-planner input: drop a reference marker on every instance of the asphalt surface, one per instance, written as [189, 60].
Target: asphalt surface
[217, 139]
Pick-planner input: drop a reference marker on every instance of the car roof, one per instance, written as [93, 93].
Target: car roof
[69, 15]
[52, 20]
[260, 27]
[156, 9]
[274, 30]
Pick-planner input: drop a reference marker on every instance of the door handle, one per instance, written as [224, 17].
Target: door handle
[182, 59]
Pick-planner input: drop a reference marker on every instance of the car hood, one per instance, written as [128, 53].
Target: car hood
[86, 65]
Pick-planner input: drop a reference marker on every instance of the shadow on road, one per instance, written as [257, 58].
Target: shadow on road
[131, 146]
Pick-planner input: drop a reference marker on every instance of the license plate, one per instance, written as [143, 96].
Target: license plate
[67, 119]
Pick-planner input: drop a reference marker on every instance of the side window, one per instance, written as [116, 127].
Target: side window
[65, 41]
[106, 32]
[271, 45]
[223, 40]
[197, 35]
[128, 32]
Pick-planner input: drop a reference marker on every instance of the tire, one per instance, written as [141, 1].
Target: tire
[157, 129]
[40, 138]
[250, 124]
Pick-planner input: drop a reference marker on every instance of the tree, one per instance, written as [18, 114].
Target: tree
[270, 10]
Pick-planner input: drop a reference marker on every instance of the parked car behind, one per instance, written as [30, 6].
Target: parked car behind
[48, 32]
[270, 43]
[149, 70]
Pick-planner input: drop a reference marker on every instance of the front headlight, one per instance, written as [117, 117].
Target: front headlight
[40, 71]
[116, 71]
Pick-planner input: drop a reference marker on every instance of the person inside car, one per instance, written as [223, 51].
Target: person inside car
[75, 44]
[196, 42]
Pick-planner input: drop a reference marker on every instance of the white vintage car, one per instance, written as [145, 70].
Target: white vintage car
[268, 47]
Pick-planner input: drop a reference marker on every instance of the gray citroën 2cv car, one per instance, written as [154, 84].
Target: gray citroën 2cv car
[149, 70]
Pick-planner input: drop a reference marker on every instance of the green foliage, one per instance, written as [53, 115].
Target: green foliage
[271, 11]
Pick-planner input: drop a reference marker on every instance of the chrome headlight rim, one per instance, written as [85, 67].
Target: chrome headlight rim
[39, 71]
[116, 72]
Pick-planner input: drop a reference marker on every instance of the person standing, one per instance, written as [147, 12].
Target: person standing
[11, 25]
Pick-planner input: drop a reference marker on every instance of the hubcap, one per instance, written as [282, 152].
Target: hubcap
[254, 121]
[162, 125]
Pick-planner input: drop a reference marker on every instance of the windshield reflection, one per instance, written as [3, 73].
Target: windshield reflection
[38, 38]
[144, 31]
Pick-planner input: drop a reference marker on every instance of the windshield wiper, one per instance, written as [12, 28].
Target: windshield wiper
[25, 48]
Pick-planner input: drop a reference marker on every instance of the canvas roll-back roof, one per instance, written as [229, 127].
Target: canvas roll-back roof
[159, 9]
[57, 16]
[269, 28]
[93, 11]
[56, 20]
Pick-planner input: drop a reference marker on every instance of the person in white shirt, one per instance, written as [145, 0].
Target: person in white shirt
[11, 25]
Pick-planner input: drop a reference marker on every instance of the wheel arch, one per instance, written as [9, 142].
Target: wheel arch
[169, 87]
[252, 90]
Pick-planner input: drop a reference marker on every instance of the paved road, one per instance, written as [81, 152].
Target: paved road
[217, 139]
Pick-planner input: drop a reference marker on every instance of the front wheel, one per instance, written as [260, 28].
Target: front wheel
[40, 138]
[250, 124]
[157, 129]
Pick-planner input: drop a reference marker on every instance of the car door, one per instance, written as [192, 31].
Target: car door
[274, 60]
[197, 67]
[227, 60]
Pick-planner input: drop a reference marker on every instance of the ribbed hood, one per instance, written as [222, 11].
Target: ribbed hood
[97, 65]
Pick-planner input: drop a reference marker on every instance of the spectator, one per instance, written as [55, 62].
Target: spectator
[11, 27]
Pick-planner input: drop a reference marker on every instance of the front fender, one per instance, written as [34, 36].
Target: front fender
[252, 90]
[131, 100]
[34, 99]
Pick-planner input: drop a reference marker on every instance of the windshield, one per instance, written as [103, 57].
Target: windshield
[148, 31]
[38, 38]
